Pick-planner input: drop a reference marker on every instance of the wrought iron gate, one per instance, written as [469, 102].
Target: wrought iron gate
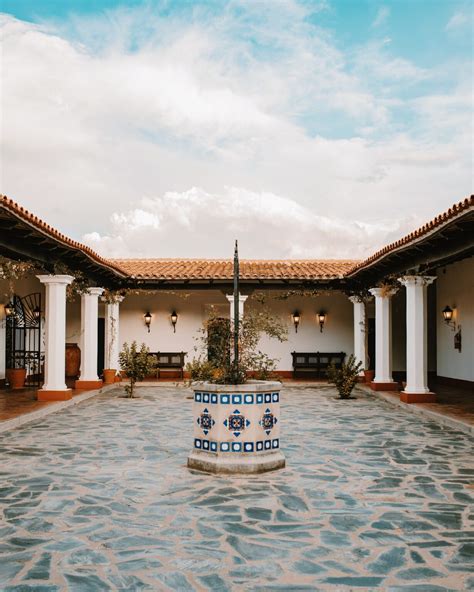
[23, 336]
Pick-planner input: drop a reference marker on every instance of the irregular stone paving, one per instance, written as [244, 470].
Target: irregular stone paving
[98, 497]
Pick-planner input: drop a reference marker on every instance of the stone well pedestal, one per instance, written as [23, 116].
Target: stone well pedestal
[236, 428]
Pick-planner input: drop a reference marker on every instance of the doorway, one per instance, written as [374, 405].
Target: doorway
[100, 346]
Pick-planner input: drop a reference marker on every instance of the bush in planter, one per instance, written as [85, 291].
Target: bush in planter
[346, 377]
[136, 364]
[216, 365]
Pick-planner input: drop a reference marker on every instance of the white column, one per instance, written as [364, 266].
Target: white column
[112, 341]
[89, 320]
[54, 386]
[242, 300]
[360, 333]
[417, 333]
[383, 335]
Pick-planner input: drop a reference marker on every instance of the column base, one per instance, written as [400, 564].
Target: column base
[417, 397]
[384, 386]
[88, 384]
[47, 395]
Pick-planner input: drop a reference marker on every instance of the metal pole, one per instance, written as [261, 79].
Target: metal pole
[236, 305]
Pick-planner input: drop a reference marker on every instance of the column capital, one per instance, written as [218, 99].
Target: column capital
[93, 292]
[384, 292]
[416, 280]
[56, 279]
[115, 300]
[242, 297]
[356, 299]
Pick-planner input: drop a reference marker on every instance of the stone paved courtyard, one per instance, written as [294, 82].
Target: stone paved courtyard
[98, 497]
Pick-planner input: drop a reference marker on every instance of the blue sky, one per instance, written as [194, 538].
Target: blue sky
[167, 117]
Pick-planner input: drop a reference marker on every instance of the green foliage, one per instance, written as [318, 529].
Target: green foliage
[264, 367]
[136, 363]
[345, 378]
[215, 363]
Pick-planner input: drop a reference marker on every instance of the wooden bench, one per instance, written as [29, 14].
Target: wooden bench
[315, 364]
[169, 361]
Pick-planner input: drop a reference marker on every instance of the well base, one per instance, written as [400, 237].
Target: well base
[201, 461]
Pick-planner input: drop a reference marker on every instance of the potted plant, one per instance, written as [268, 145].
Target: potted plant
[369, 376]
[16, 376]
[236, 418]
[136, 364]
[346, 377]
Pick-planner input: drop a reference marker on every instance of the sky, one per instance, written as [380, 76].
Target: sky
[306, 129]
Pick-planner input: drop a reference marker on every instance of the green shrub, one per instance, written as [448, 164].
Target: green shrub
[345, 378]
[215, 363]
[136, 363]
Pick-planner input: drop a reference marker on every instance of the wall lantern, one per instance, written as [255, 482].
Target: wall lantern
[174, 320]
[9, 309]
[147, 316]
[448, 317]
[321, 316]
[37, 313]
[296, 320]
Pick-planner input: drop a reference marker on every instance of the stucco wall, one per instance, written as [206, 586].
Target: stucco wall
[455, 288]
[337, 335]
[191, 309]
[194, 309]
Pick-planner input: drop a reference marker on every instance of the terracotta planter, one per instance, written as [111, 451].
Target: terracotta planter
[109, 376]
[118, 378]
[16, 377]
[73, 360]
[369, 375]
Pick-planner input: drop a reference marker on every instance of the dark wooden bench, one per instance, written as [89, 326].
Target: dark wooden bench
[169, 361]
[315, 364]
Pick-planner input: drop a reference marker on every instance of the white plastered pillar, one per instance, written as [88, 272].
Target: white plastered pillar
[416, 389]
[89, 319]
[383, 380]
[242, 300]
[112, 333]
[54, 387]
[360, 333]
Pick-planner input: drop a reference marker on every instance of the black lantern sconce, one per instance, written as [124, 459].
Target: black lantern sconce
[37, 314]
[147, 317]
[321, 316]
[9, 309]
[174, 320]
[448, 314]
[296, 320]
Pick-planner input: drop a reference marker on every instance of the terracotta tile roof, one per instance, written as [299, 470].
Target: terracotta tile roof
[222, 269]
[454, 211]
[20, 212]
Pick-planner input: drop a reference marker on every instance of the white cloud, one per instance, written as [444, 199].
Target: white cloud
[382, 16]
[267, 224]
[102, 113]
[458, 20]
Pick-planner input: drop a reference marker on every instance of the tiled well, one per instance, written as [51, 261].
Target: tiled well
[98, 497]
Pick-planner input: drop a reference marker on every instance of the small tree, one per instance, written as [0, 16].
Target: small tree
[215, 362]
[136, 363]
[345, 377]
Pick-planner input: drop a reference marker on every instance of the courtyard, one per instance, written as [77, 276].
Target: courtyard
[98, 497]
